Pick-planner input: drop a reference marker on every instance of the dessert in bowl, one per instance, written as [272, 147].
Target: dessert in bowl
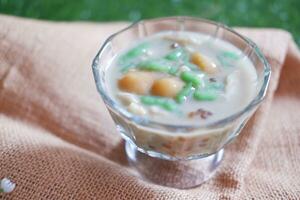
[179, 88]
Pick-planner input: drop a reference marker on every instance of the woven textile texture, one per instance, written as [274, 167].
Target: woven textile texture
[57, 140]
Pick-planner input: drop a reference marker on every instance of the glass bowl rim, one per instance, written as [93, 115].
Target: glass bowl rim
[143, 121]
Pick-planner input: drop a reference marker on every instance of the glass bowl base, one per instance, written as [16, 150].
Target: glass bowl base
[177, 174]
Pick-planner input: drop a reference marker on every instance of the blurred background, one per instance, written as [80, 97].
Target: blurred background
[283, 14]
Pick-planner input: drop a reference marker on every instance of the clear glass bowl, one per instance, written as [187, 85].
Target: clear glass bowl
[159, 151]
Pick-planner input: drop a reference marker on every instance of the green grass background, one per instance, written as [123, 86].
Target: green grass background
[283, 14]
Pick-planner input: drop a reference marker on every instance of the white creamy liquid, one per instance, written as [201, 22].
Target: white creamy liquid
[240, 80]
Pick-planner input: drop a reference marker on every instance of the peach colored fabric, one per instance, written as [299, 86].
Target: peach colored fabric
[57, 140]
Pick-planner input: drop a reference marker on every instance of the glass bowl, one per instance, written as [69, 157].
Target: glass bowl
[180, 156]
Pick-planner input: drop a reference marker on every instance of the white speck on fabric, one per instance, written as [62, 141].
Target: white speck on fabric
[7, 185]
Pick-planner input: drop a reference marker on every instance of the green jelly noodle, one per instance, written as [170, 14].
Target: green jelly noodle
[159, 65]
[230, 54]
[184, 93]
[135, 52]
[173, 70]
[226, 58]
[177, 54]
[166, 104]
[127, 67]
[155, 65]
[126, 60]
[205, 95]
[191, 66]
[215, 86]
[191, 77]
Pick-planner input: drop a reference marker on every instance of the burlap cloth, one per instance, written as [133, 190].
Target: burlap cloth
[57, 140]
